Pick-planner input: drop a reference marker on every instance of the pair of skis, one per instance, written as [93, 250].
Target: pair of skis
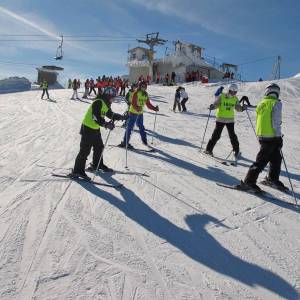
[149, 149]
[81, 179]
[222, 161]
[259, 193]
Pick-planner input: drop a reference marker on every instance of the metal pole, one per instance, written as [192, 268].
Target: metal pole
[289, 177]
[154, 127]
[205, 131]
[251, 124]
[126, 145]
[101, 155]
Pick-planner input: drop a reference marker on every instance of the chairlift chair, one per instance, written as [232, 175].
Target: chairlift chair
[59, 51]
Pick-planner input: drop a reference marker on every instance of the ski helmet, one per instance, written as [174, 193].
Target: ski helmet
[272, 88]
[110, 91]
[233, 88]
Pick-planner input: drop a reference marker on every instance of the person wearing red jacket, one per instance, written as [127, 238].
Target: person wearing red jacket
[140, 98]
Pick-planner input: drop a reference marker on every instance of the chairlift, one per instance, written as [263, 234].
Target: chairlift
[59, 51]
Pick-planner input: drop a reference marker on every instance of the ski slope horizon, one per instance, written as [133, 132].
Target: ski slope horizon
[170, 232]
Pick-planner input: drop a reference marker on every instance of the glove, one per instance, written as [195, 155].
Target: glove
[156, 108]
[125, 116]
[244, 107]
[211, 107]
[110, 125]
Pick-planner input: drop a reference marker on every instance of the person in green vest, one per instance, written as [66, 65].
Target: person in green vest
[44, 86]
[140, 98]
[91, 135]
[225, 103]
[268, 131]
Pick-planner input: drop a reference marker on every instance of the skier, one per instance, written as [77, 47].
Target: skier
[91, 135]
[44, 86]
[86, 89]
[139, 99]
[177, 99]
[184, 97]
[268, 131]
[225, 104]
[92, 87]
[75, 87]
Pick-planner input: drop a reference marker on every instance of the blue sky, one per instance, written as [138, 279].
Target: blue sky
[234, 31]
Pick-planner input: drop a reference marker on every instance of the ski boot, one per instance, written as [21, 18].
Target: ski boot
[79, 174]
[249, 187]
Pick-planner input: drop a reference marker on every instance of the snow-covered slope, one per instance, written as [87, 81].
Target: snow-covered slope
[173, 234]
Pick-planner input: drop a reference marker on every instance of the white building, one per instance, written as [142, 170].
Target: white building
[185, 58]
[139, 63]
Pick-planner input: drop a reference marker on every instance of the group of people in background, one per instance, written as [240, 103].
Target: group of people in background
[228, 75]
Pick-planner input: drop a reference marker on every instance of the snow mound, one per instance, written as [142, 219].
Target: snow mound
[14, 84]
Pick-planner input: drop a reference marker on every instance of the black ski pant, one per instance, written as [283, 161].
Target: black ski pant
[269, 152]
[92, 89]
[183, 102]
[176, 103]
[45, 91]
[217, 134]
[90, 138]
[122, 92]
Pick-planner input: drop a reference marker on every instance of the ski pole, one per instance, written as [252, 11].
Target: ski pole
[126, 145]
[154, 127]
[205, 131]
[289, 177]
[251, 124]
[102, 153]
[227, 157]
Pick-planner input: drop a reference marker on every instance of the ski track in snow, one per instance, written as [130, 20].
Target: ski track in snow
[173, 235]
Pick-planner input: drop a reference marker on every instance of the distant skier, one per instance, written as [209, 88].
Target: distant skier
[91, 135]
[44, 85]
[184, 97]
[86, 89]
[92, 87]
[139, 99]
[177, 99]
[75, 87]
[268, 131]
[225, 104]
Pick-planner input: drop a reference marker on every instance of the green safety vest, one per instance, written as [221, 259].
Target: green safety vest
[44, 85]
[264, 110]
[226, 107]
[88, 118]
[130, 96]
[141, 101]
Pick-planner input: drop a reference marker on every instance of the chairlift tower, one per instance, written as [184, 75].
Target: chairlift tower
[152, 40]
[276, 68]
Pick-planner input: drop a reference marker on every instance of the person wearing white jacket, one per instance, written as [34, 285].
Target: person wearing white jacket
[184, 97]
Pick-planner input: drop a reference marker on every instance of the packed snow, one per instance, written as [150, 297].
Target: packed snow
[170, 232]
